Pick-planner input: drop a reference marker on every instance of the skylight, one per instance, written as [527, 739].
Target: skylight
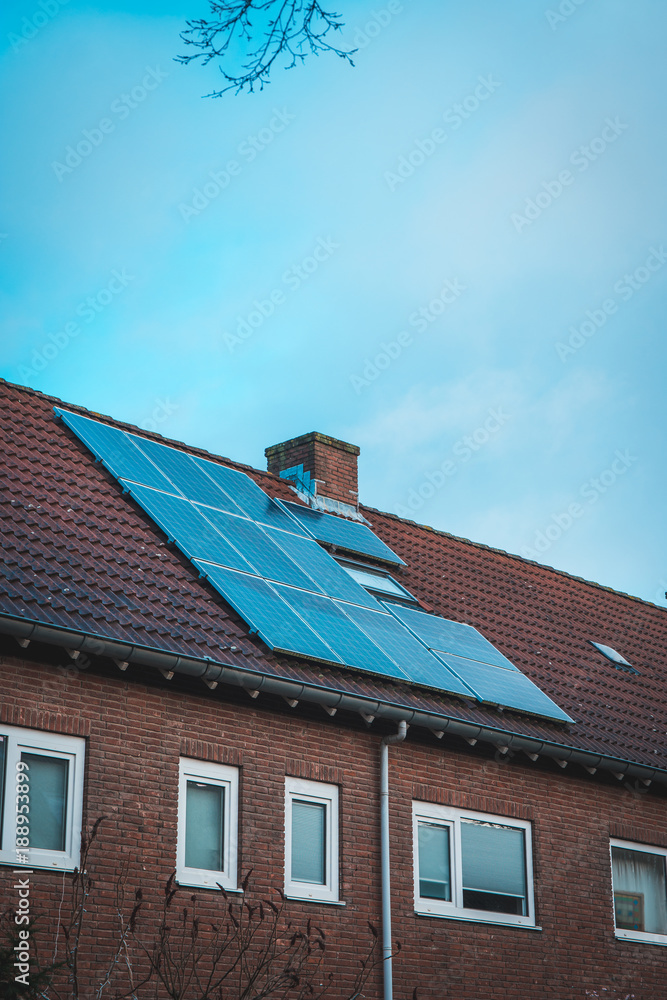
[377, 581]
[619, 661]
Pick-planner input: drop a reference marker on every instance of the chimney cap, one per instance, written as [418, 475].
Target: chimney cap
[311, 437]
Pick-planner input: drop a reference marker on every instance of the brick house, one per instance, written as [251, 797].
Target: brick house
[152, 683]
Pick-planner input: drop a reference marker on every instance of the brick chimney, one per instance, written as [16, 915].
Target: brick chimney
[321, 457]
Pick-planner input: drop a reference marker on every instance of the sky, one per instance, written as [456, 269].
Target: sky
[450, 254]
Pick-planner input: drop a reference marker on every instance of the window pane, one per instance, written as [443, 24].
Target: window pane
[494, 867]
[48, 800]
[308, 842]
[204, 819]
[640, 896]
[433, 846]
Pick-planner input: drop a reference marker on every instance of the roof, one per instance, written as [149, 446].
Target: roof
[79, 554]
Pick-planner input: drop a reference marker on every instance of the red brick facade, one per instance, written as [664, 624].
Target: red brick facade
[136, 727]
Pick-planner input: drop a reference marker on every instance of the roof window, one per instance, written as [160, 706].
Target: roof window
[619, 661]
[377, 581]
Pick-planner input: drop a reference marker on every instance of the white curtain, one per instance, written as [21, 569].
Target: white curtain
[640, 873]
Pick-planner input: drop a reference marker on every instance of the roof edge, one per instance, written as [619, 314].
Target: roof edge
[213, 672]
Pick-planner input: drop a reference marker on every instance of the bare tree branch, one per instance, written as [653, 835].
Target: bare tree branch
[249, 35]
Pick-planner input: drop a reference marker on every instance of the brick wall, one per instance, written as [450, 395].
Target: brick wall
[136, 728]
[326, 458]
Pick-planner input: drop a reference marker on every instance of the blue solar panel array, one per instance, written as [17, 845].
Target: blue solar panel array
[478, 663]
[263, 558]
[349, 535]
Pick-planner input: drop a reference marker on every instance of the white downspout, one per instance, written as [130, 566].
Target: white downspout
[384, 856]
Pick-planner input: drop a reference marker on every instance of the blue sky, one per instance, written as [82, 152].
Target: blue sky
[453, 254]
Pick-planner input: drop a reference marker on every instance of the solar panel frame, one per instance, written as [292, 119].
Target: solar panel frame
[252, 501]
[125, 460]
[416, 662]
[448, 636]
[507, 688]
[180, 469]
[181, 522]
[267, 614]
[328, 577]
[352, 536]
[258, 548]
[352, 645]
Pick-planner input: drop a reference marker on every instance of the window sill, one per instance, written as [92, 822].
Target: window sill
[639, 938]
[476, 919]
[192, 883]
[61, 865]
[312, 899]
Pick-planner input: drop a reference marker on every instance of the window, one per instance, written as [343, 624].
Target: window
[640, 891]
[378, 581]
[206, 850]
[472, 866]
[41, 817]
[311, 840]
[619, 661]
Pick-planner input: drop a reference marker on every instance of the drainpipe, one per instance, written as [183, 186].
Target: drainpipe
[384, 855]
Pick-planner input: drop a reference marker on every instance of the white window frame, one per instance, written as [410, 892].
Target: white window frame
[228, 778]
[322, 794]
[69, 748]
[620, 932]
[451, 818]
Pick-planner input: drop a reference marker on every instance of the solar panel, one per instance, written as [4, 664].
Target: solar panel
[182, 522]
[253, 502]
[352, 645]
[258, 603]
[116, 450]
[451, 637]
[328, 576]
[184, 473]
[349, 535]
[255, 544]
[509, 688]
[414, 660]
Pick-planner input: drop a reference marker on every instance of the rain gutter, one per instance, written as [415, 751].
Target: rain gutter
[213, 672]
